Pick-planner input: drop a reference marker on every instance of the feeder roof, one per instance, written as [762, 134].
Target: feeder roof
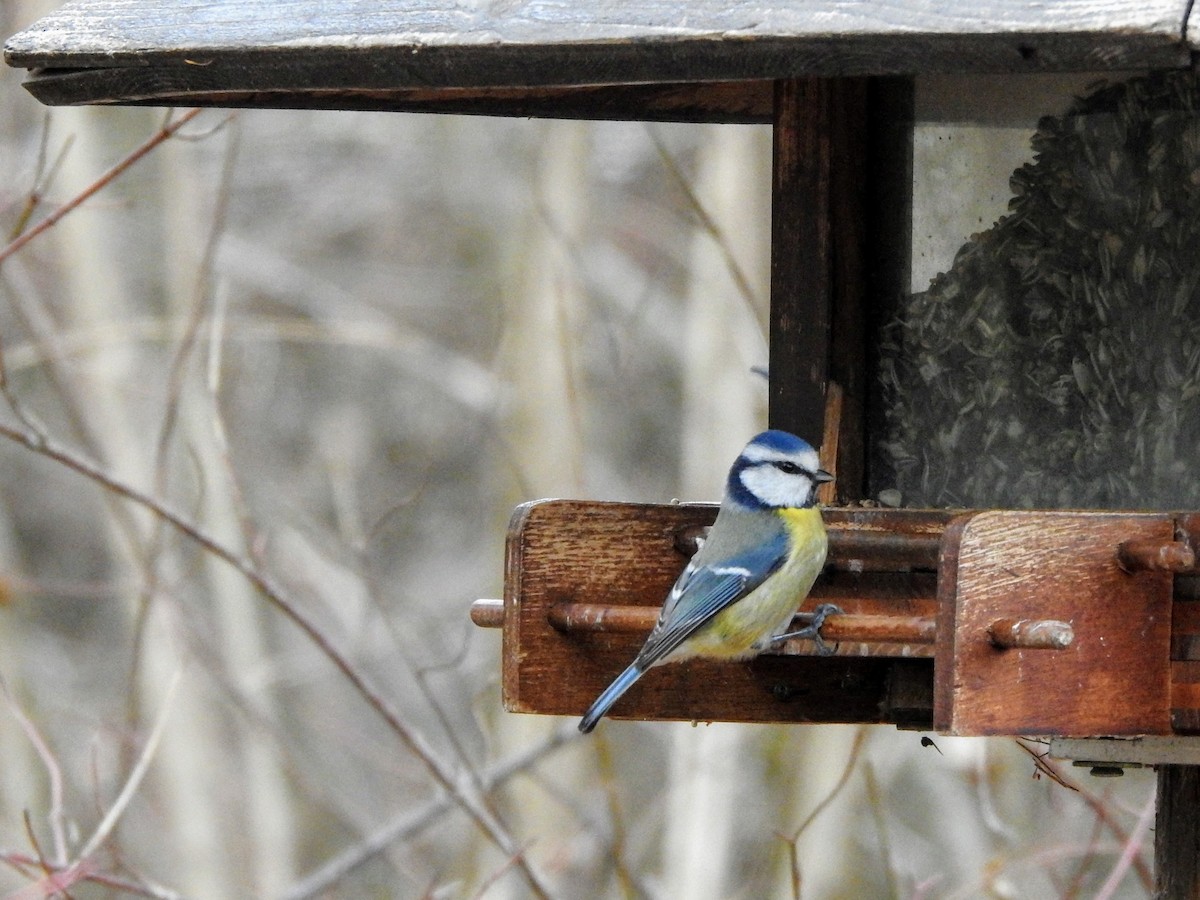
[528, 57]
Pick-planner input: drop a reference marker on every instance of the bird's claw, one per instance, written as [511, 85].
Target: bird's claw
[812, 631]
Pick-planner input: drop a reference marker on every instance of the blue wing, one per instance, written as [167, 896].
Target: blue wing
[704, 590]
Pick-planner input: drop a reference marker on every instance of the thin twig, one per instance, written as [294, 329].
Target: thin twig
[497, 875]
[182, 354]
[42, 177]
[794, 839]
[1074, 886]
[55, 882]
[134, 781]
[58, 878]
[609, 779]
[201, 301]
[709, 224]
[20, 862]
[53, 773]
[1130, 852]
[876, 803]
[44, 864]
[851, 760]
[408, 824]
[277, 597]
[1096, 804]
[99, 184]
[212, 381]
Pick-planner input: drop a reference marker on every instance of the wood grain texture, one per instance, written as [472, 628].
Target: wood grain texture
[1113, 679]
[822, 169]
[1185, 696]
[1185, 636]
[174, 49]
[618, 553]
[1129, 670]
[1177, 834]
[802, 283]
[105, 27]
[739, 103]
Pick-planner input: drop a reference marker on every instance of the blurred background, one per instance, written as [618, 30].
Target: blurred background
[346, 345]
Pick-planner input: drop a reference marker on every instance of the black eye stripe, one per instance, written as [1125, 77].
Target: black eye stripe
[790, 468]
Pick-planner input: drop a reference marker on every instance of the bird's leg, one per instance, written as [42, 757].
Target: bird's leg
[812, 631]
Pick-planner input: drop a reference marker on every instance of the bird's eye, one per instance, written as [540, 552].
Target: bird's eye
[788, 467]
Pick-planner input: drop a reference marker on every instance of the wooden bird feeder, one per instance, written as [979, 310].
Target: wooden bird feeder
[1067, 624]
[998, 622]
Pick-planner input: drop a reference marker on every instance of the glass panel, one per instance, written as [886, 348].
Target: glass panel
[1049, 351]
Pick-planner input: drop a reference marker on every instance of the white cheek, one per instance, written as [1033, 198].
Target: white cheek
[775, 488]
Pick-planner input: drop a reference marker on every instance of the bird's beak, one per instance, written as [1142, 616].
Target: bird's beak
[821, 477]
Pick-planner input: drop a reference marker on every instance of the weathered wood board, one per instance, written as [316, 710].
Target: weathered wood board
[1133, 667]
[341, 54]
[623, 553]
[1114, 678]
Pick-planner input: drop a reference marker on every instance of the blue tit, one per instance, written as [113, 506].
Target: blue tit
[756, 566]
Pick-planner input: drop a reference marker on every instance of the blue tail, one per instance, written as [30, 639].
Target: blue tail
[611, 695]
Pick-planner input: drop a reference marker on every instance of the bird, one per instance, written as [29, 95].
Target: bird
[756, 566]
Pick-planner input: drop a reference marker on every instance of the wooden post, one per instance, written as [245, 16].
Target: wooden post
[1177, 833]
[801, 257]
[840, 214]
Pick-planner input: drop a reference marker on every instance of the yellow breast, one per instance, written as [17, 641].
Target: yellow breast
[743, 629]
[805, 526]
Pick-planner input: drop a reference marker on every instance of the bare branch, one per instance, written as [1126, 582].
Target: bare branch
[851, 761]
[99, 184]
[709, 225]
[53, 773]
[794, 838]
[62, 878]
[133, 782]
[1098, 806]
[1130, 851]
[408, 824]
[471, 803]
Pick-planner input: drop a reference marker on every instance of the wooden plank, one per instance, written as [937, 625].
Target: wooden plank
[1185, 696]
[945, 692]
[728, 102]
[802, 281]
[1185, 629]
[1177, 833]
[113, 51]
[110, 29]
[824, 173]
[1113, 679]
[1141, 750]
[628, 554]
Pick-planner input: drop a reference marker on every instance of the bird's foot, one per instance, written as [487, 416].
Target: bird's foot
[812, 631]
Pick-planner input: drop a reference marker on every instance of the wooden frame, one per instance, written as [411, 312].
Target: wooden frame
[403, 55]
